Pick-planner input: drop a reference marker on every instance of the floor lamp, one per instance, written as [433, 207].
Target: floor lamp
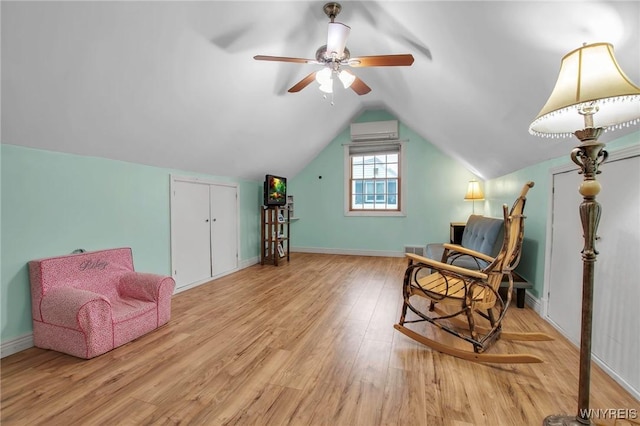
[590, 88]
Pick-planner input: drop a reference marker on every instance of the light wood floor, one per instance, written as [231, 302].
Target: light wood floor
[309, 342]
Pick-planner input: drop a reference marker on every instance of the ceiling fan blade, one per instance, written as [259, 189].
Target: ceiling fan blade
[303, 83]
[381, 61]
[360, 87]
[337, 38]
[284, 59]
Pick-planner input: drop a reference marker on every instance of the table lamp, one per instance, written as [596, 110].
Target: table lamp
[474, 192]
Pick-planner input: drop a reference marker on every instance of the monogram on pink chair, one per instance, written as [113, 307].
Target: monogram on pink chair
[90, 303]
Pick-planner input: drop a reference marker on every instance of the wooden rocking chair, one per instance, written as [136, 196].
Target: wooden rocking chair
[453, 292]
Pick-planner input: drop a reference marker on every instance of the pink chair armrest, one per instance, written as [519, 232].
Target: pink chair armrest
[61, 306]
[144, 286]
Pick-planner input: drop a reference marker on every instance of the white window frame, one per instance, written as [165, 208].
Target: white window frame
[402, 169]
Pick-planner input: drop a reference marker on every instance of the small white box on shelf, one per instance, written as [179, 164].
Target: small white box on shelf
[290, 205]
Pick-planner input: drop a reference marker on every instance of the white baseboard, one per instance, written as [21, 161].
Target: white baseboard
[348, 252]
[16, 345]
[539, 305]
[533, 303]
[615, 376]
[249, 262]
[595, 359]
[243, 264]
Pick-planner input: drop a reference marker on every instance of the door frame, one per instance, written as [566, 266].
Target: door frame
[621, 154]
[196, 180]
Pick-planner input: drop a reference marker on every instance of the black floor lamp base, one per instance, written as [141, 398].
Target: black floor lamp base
[563, 420]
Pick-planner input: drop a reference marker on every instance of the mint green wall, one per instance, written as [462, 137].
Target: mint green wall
[436, 187]
[53, 203]
[506, 188]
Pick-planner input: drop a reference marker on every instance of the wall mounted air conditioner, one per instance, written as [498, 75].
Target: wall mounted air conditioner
[374, 131]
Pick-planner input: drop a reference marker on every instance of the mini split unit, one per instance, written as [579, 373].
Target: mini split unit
[374, 131]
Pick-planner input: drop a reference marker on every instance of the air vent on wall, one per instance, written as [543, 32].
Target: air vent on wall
[374, 131]
[419, 250]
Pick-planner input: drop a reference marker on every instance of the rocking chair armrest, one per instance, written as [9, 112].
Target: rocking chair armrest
[434, 264]
[463, 250]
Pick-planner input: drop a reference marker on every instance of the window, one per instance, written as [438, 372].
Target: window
[373, 178]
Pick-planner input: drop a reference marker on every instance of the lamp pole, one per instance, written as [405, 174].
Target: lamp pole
[588, 156]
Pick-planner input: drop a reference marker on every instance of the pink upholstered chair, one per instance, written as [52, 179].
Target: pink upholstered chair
[89, 303]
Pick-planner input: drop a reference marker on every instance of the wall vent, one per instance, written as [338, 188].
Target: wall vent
[419, 250]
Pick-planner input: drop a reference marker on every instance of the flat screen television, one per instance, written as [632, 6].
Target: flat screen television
[275, 190]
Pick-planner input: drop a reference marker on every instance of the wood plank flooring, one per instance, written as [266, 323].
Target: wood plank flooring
[310, 342]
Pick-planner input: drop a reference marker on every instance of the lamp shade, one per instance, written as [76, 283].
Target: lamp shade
[474, 192]
[589, 77]
[323, 76]
[346, 78]
[327, 87]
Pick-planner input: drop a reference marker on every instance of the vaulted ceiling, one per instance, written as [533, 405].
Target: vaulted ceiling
[175, 85]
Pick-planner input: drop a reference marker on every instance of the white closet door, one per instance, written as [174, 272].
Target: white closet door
[616, 325]
[565, 285]
[224, 228]
[191, 249]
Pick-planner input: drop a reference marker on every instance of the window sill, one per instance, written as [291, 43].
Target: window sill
[375, 213]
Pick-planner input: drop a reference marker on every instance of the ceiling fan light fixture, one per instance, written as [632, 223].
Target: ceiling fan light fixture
[337, 39]
[347, 78]
[327, 87]
[324, 76]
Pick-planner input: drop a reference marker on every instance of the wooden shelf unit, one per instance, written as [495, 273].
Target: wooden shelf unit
[274, 235]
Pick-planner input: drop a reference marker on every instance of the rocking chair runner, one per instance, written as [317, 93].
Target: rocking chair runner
[469, 293]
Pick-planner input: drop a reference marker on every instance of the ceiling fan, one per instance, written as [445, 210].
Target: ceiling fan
[334, 56]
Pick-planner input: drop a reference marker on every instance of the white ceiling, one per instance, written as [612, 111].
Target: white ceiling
[173, 84]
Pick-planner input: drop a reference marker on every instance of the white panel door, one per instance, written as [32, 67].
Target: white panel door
[224, 228]
[616, 324]
[190, 231]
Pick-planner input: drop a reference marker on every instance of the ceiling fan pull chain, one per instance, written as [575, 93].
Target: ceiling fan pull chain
[326, 97]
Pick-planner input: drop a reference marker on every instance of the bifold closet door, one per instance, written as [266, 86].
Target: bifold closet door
[224, 229]
[190, 233]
